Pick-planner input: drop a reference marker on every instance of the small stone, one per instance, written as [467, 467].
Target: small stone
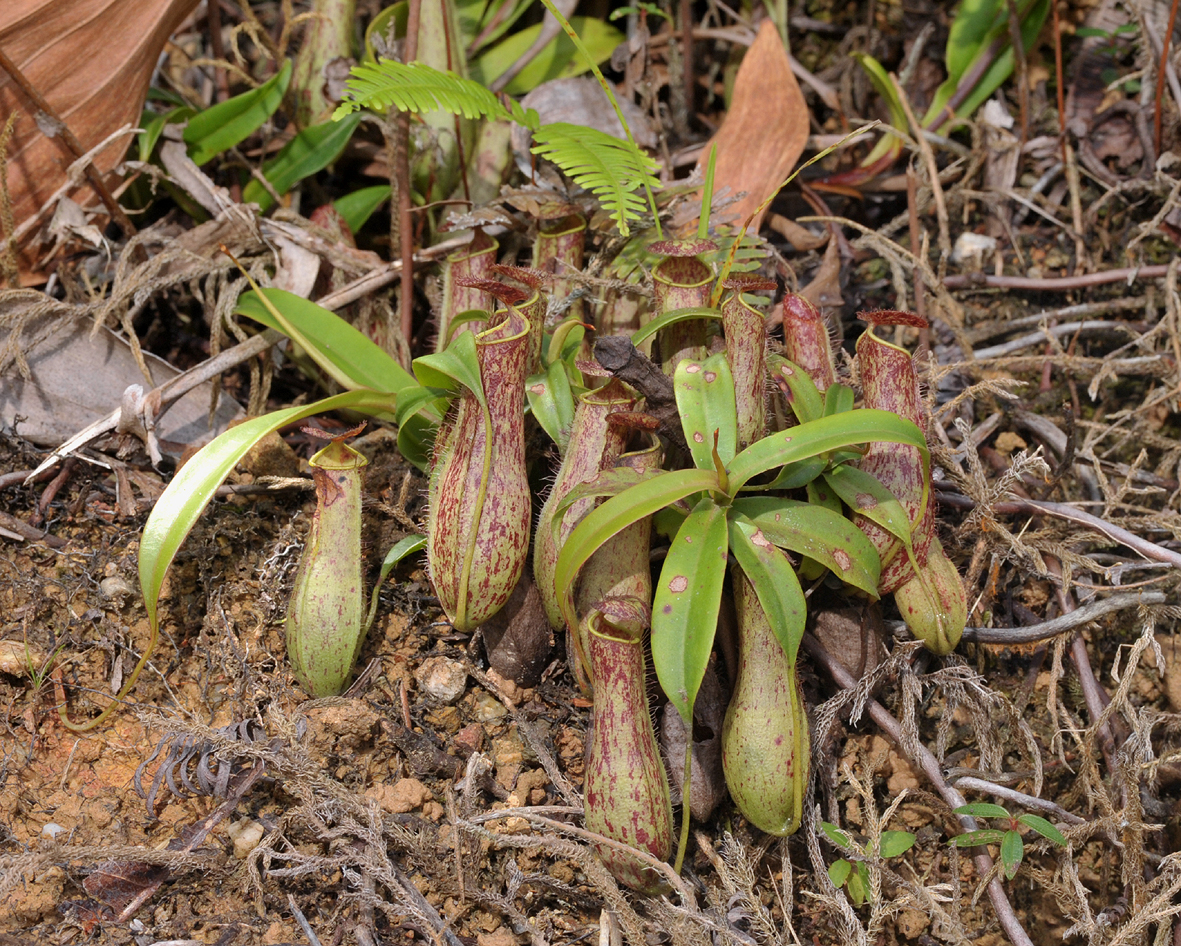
[442, 678]
[1007, 442]
[469, 739]
[488, 707]
[245, 834]
[115, 587]
[403, 796]
[433, 811]
[971, 248]
[911, 923]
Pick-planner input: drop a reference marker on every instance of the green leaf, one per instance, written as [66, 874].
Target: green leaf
[612, 170]
[665, 319]
[817, 533]
[358, 207]
[796, 475]
[181, 504]
[556, 60]
[403, 548]
[859, 884]
[153, 126]
[881, 83]
[974, 838]
[552, 403]
[705, 401]
[1044, 828]
[804, 398]
[838, 399]
[836, 835]
[605, 483]
[644, 499]
[895, 843]
[224, 125]
[823, 435]
[685, 604]
[312, 150]
[1012, 850]
[774, 581]
[455, 365]
[350, 357]
[864, 493]
[838, 872]
[417, 87]
[982, 809]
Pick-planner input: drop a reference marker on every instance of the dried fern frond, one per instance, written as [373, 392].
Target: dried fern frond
[416, 87]
[611, 169]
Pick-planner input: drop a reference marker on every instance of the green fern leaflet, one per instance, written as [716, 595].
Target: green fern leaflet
[415, 87]
[611, 169]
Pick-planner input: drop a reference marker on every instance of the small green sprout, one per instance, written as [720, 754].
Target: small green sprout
[854, 875]
[1011, 842]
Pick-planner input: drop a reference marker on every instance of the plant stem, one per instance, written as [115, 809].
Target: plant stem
[1161, 72]
[686, 782]
[402, 171]
[581, 47]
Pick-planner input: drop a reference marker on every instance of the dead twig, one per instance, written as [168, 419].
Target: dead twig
[1031, 634]
[1055, 283]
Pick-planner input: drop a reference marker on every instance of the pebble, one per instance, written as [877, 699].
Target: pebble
[245, 834]
[442, 678]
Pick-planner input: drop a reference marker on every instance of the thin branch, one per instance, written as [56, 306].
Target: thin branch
[1033, 633]
[1055, 283]
[985, 787]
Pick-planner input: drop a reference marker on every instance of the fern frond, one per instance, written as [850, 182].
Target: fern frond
[416, 87]
[611, 169]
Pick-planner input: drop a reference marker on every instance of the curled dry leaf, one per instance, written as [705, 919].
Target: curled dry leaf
[765, 130]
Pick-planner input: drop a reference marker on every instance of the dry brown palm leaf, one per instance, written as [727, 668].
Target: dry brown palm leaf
[765, 130]
[91, 60]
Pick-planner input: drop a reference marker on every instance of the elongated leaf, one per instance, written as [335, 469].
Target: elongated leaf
[881, 83]
[665, 319]
[821, 495]
[705, 401]
[312, 150]
[613, 170]
[974, 838]
[557, 60]
[617, 513]
[1044, 828]
[685, 605]
[864, 493]
[895, 843]
[982, 809]
[348, 356]
[804, 398]
[403, 548]
[153, 124]
[606, 483]
[224, 125]
[358, 207]
[819, 534]
[774, 581]
[1012, 851]
[455, 365]
[179, 507]
[552, 403]
[796, 475]
[821, 436]
[838, 399]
